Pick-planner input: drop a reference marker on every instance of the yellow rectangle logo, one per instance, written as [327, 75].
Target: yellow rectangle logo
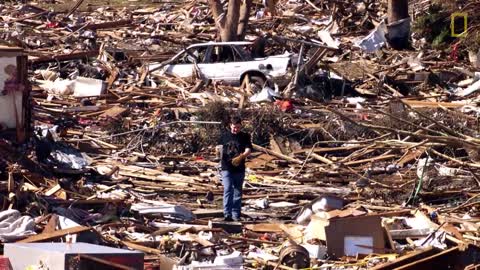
[452, 24]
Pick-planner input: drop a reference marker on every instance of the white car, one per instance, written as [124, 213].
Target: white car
[230, 62]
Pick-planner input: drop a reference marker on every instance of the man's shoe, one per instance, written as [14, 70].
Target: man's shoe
[228, 219]
[237, 219]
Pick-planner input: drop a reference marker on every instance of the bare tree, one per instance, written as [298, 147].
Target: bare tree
[231, 21]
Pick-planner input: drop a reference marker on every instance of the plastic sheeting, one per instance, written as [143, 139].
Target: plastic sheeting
[375, 40]
[13, 226]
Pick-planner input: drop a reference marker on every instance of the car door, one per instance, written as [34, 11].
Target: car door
[207, 67]
[236, 64]
[243, 63]
[180, 66]
[215, 64]
[184, 64]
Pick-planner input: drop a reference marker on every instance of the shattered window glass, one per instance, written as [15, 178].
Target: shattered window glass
[222, 54]
[193, 55]
[240, 53]
[216, 55]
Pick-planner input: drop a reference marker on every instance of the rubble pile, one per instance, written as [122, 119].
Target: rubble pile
[365, 157]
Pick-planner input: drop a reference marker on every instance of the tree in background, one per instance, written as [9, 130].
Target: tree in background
[232, 20]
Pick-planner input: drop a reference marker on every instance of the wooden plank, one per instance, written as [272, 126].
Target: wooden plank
[165, 262]
[51, 225]
[56, 234]
[94, 201]
[329, 149]
[201, 241]
[410, 155]
[370, 160]
[11, 182]
[410, 257]
[264, 227]
[105, 144]
[259, 162]
[142, 248]
[429, 260]
[104, 25]
[208, 213]
[293, 233]
[113, 112]
[275, 146]
[52, 190]
[63, 57]
[276, 154]
[430, 104]
[321, 159]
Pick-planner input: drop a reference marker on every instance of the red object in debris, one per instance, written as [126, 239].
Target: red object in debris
[85, 122]
[157, 112]
[284, 105]
[364, 116]
[454, 52]
[265, 237]
[151, 266]
[52, 25]
[5, 263]
[199, 158]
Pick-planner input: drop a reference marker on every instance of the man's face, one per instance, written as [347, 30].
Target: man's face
[235, 128]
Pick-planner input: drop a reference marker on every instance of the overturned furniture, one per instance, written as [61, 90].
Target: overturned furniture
[14, 93]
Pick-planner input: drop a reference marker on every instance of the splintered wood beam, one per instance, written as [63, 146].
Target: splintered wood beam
[105, 25]
[56, 234]
[276, 154]
[51, 225]
[142, 248]
[356, 162]
[63, 57]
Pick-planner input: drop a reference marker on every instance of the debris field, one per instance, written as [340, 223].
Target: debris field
[365, 156]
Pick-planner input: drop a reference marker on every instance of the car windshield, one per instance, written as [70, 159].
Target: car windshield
[192, 55]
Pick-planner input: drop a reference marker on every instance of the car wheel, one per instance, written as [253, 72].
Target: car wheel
[256, 83]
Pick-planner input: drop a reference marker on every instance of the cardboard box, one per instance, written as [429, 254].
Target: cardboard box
[319, 221]
[351, 236]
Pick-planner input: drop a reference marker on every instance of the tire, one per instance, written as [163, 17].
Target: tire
[256, 83]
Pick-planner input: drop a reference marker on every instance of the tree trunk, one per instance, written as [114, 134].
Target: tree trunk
[398, 28]
[229, 31]
[397, 10]
[270, 6]
[243, 20]
[231, 22]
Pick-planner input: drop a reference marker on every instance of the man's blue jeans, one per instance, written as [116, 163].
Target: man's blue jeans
[232, 193]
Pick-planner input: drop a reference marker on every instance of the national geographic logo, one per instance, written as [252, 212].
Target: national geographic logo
[454, 32]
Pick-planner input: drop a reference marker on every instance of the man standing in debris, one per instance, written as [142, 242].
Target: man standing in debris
[236, 145]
